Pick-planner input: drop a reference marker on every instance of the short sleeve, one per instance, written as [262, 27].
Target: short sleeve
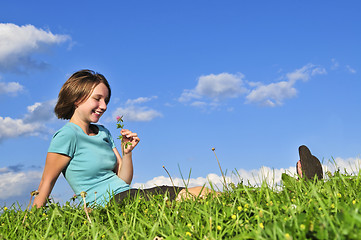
[63, 142]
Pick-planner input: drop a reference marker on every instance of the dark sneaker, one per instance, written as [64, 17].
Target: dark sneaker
[310, 165]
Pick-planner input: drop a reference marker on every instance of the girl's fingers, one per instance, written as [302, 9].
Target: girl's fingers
[128, 134]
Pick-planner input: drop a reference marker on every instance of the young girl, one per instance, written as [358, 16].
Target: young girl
[85, 152]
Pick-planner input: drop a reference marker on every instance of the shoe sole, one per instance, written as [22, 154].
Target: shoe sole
[310, 164]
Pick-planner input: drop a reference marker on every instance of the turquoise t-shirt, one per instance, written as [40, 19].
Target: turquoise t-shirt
[92, 162]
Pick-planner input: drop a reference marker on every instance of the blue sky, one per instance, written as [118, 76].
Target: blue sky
[254, 79]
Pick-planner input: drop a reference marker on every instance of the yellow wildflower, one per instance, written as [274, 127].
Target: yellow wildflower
[332, 205]
[302, 227]
[5, 208]
[339, 195]
[287, 236]
[239, 208]
[234, 216]
[311, 226]
[219, 228]
[354, 202]
[261, 225]
[188, 234]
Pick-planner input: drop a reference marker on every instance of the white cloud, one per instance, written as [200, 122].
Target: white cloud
[41, 112]
[140, 100]
[13, 184]
[253, 177]
[275, 93]
[11, 88]
[31, 125]
[215, 87]
[134, 111]
[351, 70]
[18, 43]
[335, 64]
[272, 94]
[11, 128]
[226, 85]
[304, 73]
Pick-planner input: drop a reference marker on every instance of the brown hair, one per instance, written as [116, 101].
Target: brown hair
[77, 89]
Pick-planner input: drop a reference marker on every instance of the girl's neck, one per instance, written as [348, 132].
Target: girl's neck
[83, 125]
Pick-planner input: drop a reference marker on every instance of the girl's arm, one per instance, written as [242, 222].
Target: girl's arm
[124, 166]
[55, 163]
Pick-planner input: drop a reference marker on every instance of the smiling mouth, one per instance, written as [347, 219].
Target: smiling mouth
[98, 113]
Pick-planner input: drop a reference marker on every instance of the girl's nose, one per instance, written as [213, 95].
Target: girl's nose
[103, 105]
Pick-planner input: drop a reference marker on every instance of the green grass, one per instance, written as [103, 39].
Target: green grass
[328, 209]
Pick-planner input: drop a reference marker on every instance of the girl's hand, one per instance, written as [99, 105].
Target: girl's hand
[129, 140]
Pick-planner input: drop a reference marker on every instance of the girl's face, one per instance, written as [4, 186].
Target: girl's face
[93, 108]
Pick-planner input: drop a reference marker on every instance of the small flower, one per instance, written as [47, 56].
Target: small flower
[119, 118]
[354, 202]
[5, 208]
[219, 228]
[332, 205]
[261, 225]
[339, 195]
[189, 225]
[302, 227]
[287, 236]
[213, 149]
[34, 193]
[83, 194]
[103, 236]
[234, 217]
[188, 234]
[239, 208]
[311, 226]
[246, 206]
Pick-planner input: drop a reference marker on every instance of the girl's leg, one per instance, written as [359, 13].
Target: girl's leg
[194, 192]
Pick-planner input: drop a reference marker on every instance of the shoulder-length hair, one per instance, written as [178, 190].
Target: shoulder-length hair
[78, 89]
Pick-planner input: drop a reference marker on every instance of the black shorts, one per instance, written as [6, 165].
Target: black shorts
[170, 191]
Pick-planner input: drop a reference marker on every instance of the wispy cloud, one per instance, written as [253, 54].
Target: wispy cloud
[11, 88]
[33, 123]
[334, 64]
[215, 87]
[274, 94]
[19, 43]
[41, 111]
[134, 110]
[350, 69]
[15, 183]
[212, 88]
